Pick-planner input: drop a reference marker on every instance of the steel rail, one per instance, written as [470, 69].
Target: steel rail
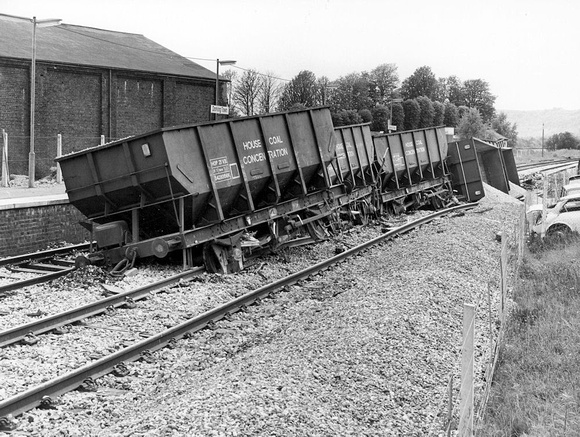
[32, 398]
[33, 281]
[50, 253]
[50, 323]
[42, 254]
[546, 164]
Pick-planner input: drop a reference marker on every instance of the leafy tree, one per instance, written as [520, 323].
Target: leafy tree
[439, 113]
[380, 121]
[502, 126]
[451, 89]
[427, 111]
[302, 89]
[351, 92]
[382, 81]
[421, 83]
[269, 94]
[346, 117]
[398, 116]
[246, 92]
[477, 95]
[461, 111]
[451, 117]
[325, 90]
[412, 114]
[563, 140]
[471, 125]
[366, 115]
[232, 76]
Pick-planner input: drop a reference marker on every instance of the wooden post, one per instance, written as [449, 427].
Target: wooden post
[504, 274]
[58, 154]
[489, 288]
[466, 392]
[544, 205]
[5, 176]
[522, 233]
[450, 405]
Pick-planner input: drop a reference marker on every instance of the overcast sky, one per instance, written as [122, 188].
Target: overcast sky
[528, 51]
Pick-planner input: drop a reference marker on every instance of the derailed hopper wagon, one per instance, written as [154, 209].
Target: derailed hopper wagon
[412, 168]
[218, 191]
[205, 185]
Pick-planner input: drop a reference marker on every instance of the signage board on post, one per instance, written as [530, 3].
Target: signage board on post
[215, 109]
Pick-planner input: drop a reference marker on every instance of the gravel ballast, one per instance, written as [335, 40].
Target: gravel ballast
[364, 349]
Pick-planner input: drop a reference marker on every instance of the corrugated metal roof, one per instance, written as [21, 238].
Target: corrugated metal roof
[70, 44]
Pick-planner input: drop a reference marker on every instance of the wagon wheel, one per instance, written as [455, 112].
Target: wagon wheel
[436, 202]
[316, 230]
[218, 258]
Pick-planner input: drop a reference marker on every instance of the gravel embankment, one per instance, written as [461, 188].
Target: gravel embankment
[366, 348]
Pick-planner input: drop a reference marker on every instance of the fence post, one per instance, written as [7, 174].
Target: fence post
[5, 175]
[466, 391]
[102, 140]
[503, 271]
[450, 405]
[58, 154]
[544, 205]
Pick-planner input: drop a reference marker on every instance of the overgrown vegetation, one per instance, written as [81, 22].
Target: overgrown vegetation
[378, 96]
[536, 388]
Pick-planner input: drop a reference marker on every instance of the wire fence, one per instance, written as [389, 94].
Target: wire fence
[493, 313]
[465, 399]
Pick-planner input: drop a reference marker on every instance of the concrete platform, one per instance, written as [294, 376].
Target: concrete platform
[24, 197]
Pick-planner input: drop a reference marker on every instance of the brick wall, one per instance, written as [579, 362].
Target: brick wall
[139, 105]
[187, 102]
[68, 103]
[15, 113]
[83, 103]
[24, 230]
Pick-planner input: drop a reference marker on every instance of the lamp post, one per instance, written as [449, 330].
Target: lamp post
[217, 79]
[35, 23]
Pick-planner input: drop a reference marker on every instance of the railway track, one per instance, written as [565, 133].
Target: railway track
[84, 376]
[43, 266]
[58, 321]
[546, 165]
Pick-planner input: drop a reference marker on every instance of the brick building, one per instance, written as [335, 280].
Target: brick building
[92, 82]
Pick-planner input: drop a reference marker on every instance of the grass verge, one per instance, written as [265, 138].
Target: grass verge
[536, 387]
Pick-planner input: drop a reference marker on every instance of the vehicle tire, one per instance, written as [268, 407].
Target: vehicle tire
[558, 234]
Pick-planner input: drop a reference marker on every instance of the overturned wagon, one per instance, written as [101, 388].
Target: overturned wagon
[205, 186]
[220, 191]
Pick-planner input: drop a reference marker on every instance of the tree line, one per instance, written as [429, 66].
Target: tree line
[377, 97]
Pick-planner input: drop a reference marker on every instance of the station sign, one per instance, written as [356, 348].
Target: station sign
[215, 109]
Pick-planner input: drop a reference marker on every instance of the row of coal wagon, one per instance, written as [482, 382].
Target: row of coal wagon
[220, 192]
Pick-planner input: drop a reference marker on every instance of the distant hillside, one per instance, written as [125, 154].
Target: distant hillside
[529, 123]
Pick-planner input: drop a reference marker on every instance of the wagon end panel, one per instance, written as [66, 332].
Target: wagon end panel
[464, 168]
[119, 176]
